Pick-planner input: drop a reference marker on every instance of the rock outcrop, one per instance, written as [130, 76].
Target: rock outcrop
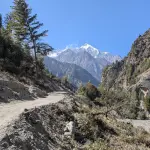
[133, 70]
[132, 74]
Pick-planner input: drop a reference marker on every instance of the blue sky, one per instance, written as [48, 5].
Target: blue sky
[109, 25]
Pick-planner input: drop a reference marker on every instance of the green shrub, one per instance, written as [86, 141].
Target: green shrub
[81, 90]
[147, 103]
[121, 102]
[91, 91]
[64, 80]
[49, 74]
[101, 88]
[98, 145]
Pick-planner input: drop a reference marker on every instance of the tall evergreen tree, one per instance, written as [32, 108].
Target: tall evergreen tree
[1, 24]
[1, 38]
[4, 40]
[8, 23]
[26, 27]
[19, 21]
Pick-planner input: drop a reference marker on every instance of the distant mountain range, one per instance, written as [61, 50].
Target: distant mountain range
[77, 62]
[76, 74]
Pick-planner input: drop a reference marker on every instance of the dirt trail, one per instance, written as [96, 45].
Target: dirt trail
[145, 124]
[11, 111]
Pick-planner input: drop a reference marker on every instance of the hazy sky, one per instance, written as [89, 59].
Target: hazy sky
[109, 25]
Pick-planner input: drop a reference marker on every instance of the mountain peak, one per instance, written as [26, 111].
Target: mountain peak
[90, 49]
[86, 46]
[94, 52]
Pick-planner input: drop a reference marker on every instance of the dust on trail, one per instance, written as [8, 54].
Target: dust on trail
[145, 124]
[11, 111]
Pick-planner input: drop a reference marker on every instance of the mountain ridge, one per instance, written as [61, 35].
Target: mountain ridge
[75, 74]
[87, 57]
[129, 70]
[91, 50]
[132, 76]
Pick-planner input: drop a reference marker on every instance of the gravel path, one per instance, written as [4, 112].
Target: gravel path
[11, 111]
[145, 124]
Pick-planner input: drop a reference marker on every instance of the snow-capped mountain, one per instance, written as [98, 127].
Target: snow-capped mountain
[91, 50]
[87, 57]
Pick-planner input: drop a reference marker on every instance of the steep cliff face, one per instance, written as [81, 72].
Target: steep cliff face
[133, 71]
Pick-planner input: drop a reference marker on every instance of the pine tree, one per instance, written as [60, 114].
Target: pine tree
[8, 49]
[0, 20]
[19, 21]
[1, 24]
[8, 23]
[26, 27]
[4, 40]
[1, 38]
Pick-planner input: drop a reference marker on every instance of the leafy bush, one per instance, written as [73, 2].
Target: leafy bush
[9, 50]
[147, 103]
[64, 80]
[49, 74]
[89, 90]
[81, 90]
[98, 145]
[120, 102]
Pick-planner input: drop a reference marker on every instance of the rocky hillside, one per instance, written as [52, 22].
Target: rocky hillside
[13, 88]
[24, 83]
[74, 73]
[132, 74]
[72, 124]
[133, 70]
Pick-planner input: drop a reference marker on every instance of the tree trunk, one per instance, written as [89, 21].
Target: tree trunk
[34, 47]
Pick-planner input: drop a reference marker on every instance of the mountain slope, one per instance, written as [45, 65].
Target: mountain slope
[133, 69]
[87, 57]
[76, 74]
[132, 75]
[84, 60]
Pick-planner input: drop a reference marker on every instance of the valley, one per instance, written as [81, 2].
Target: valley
[86, 57]
[79, 97]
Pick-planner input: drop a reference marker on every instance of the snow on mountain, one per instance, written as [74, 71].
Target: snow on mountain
[109, 57]
[105, 53]
[87, 57]
[91, 50]
[56, 53]
[94, 52]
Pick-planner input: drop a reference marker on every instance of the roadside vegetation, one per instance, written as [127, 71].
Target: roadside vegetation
[122, 105]
[100, 116]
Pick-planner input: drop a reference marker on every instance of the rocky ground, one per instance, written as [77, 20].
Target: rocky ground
[11, 111]
[23, 89]
[70, 124]
[145, 124]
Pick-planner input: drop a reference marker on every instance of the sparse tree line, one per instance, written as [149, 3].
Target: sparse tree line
[108, 101]
[20, 34]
